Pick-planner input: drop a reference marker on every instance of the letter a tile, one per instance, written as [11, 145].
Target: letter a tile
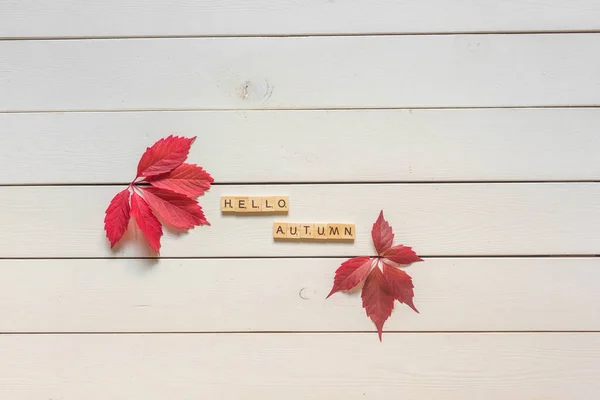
[279, 230]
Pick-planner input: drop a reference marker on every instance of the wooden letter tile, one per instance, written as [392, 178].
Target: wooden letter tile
[241, 204]
[282, 204]
[306, 231]
[254, 204]
[334, 231]
[268, 204]
[320, 231]
[348, 232]
[227, 204]
[279, 230]
[293, 231]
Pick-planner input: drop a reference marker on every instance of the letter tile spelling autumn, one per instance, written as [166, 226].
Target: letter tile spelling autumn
[255, 205]
[311, 231]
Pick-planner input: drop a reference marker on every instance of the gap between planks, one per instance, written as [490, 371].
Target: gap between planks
[140, 110]
[458, 182]
[508, 332]
[303, 35]
[480, 256]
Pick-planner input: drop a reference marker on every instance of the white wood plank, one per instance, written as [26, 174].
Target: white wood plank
[436, 219]
[250, 295]
[301, 72]
[70, 18]
[313, 366]
[310, 146]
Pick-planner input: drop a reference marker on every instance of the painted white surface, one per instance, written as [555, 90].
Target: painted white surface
[300, 366]
[436, 219]
[310, 146]
[80, 322]
[301, 72]
[88, 18]
[250, 295]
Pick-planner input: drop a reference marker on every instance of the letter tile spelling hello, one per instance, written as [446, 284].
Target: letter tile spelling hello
[255, 205]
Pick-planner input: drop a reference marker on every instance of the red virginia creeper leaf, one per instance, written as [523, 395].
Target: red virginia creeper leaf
[187, 179]
[351, 273]
[117, 217]
[381, 288]
[164, 156]
[400, 284]
[382, 234]
[146, 221]
[174, 187]
[177, 209]
[377, 299]
[403, 255]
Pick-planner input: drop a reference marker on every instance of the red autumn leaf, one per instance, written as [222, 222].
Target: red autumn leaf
[164, 156]
[187, 179]
[377, 299]
[382, 234]
[146, 221]
[177, 209]
[400, 284]
[402, 255]
[117, 217]
[351, 273]
[174, 187]
[380, 288]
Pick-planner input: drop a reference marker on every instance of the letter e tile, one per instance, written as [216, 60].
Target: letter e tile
[241, 204]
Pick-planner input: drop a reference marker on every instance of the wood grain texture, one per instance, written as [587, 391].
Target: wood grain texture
[250, 295]
[436, 219]
[301, 72]
[300, 366]
[322, 92]
[310, 146]
[89, 18]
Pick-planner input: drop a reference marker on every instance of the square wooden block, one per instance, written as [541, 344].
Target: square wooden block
[268, 204]
[282, 204]
[334, 231]
[306, 231]
[293, 231]
[279, 230]
[320, 231]
[348, 232]
[241, 204]
[255, 204]
[227, 204]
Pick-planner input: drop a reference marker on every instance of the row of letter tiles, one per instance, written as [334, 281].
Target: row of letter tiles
[282, 230]
[258, 204]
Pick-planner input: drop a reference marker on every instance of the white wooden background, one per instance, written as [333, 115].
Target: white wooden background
[472, 123]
